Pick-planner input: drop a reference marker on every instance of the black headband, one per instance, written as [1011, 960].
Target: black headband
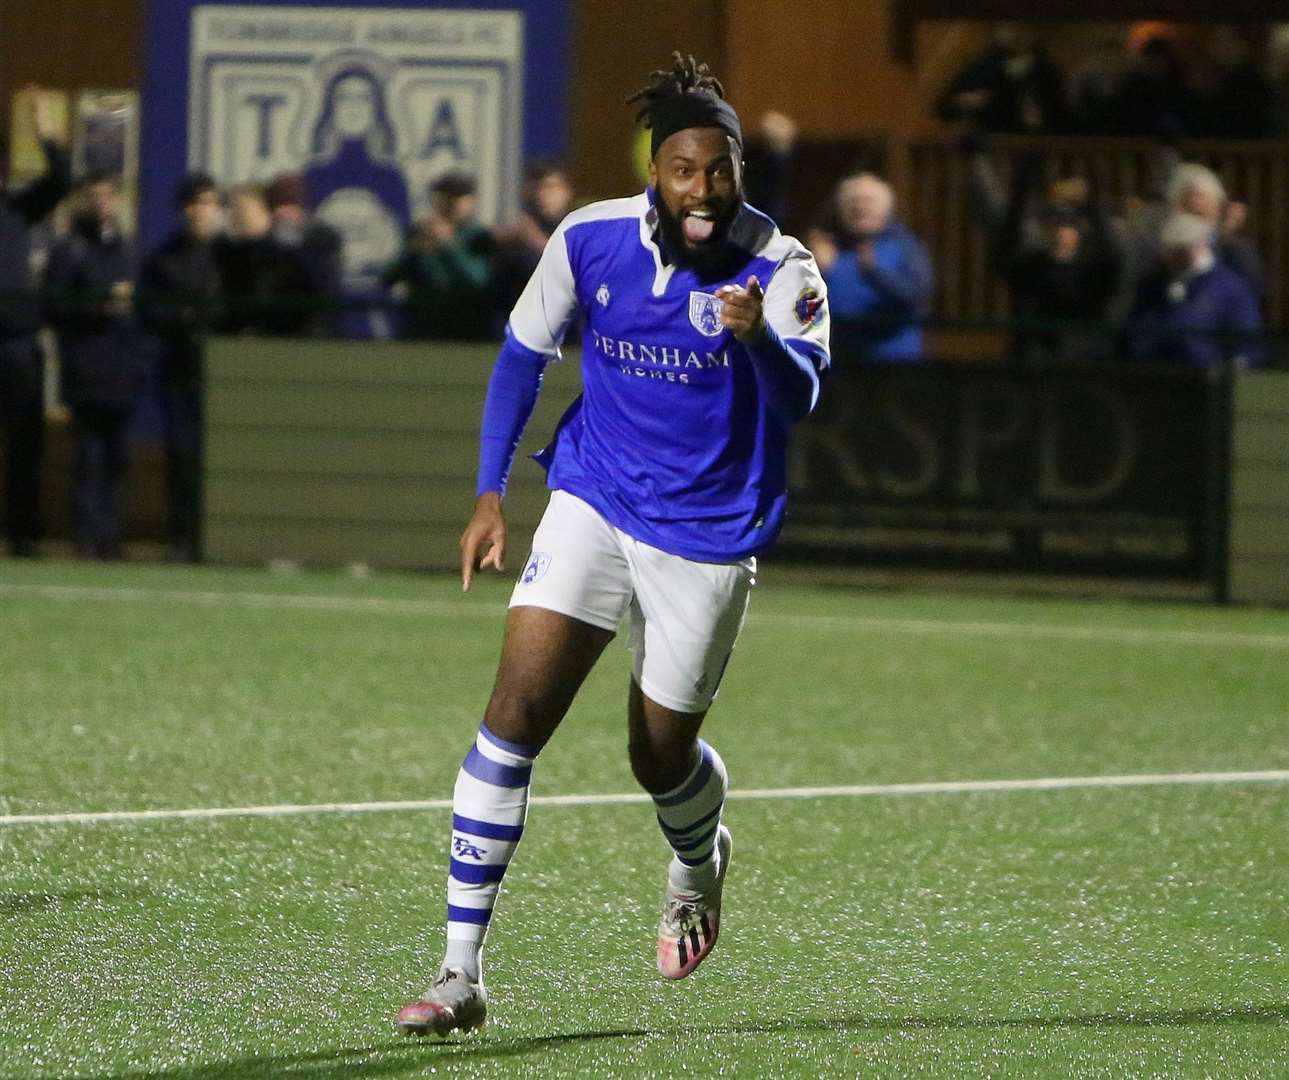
[695, 109]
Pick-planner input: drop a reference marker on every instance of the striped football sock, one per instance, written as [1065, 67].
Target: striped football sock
[488, 810]
[689, 816]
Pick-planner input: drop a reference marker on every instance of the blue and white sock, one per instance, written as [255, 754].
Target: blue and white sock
[489, 806]
[690, 815]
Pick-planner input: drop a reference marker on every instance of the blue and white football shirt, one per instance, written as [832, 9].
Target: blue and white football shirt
[672, 439]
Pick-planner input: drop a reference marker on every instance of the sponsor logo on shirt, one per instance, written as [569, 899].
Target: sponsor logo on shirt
[671, 364]
[705, 313]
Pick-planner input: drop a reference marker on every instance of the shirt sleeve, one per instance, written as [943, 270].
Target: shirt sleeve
[796, 307]
[542, 314]
[512, 395]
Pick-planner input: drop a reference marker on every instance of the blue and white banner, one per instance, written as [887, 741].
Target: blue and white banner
[371, 104]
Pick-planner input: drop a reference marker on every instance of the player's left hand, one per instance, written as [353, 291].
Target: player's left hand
[742, 310]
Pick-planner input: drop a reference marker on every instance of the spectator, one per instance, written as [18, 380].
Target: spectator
[1194, 309]
[310, 253]
[1239, 101]
[22, 366]
[1279, 67]
[1011, 87]
[179, 295]
[1194, 189]
[446, 266]
[1092, 81]
[769, 163]
[1153, 98]
[254, 271]
[1058, 254]
[1191, 188]
[878, 273]
[547, 197]
[90, 283]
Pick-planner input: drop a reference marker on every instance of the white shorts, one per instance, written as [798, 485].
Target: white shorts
[685, 615]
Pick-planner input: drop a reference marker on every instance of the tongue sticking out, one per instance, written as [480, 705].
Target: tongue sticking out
[697, 230]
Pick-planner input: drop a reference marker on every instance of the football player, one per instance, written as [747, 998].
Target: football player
[705, 339]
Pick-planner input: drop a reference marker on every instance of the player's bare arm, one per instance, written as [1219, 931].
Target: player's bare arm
[483, 543]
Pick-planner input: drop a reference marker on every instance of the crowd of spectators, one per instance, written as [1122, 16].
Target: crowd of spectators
[1170, 279]
[252, 259]
[1159, 83]
[1167, 274]
[1167, 277]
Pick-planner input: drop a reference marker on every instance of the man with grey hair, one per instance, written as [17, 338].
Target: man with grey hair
[1194, 309]
[878, 273]
[1191, 188]
[1197, 189]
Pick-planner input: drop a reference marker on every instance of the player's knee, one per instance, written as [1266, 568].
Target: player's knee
[516, 718]
[660, 764]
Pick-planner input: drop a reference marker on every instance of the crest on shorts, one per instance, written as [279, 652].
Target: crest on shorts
[809, 307]
[705, 313]
[538, 563]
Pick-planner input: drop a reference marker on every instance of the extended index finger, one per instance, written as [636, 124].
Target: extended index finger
[469, 552]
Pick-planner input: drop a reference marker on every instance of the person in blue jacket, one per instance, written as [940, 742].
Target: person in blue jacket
[1194, 308]
[878, 273]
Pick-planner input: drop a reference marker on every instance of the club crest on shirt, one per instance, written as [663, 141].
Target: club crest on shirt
[538, 563]
[705, 313]
[602, 295]
[809, 307]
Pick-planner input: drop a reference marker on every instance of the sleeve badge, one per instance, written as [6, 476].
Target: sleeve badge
[809, 307]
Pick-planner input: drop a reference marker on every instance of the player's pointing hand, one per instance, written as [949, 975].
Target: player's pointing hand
[742, 310]
[483, 543]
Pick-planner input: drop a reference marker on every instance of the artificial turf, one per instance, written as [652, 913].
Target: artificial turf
[1126, 931]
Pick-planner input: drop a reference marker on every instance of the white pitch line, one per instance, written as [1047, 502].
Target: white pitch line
[950, 787]
[485, 610]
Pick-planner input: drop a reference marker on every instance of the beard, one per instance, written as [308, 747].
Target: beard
[713, 256]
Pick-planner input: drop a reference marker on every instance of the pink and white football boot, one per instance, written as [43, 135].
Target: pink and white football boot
[691, 921]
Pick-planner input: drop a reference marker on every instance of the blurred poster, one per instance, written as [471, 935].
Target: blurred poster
[371, 104]
[105, 135]
[105, 139]
[26, 158]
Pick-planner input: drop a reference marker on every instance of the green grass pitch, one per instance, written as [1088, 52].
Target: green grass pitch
[1139, 930]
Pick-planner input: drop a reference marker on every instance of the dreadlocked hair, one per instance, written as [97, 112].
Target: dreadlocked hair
[685, 76]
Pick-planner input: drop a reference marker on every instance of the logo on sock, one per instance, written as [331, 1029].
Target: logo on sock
[463, 847]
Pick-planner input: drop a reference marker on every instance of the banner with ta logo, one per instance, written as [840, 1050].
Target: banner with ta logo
[371, 104]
